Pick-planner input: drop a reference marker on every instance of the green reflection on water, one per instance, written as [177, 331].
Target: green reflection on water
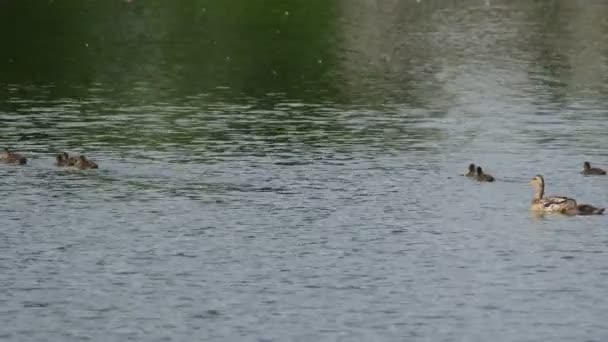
[144, 50]
[377, 72]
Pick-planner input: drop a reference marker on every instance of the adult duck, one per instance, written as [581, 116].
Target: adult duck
[558, 204]
[550, 204]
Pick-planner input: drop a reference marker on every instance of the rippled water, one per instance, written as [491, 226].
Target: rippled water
[221, 214]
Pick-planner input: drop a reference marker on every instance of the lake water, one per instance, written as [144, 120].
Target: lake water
[288, 171]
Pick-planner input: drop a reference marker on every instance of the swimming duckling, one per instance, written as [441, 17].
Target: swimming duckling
[471, 172]
[588, 170]
[83, 163]
[588, 209]
[69, 161]
[12, 158]
[483, 177]
[550, 204]
[59, 161]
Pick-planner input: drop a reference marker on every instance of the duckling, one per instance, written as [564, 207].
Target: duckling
[12, 158]
[588, 209]
[550, 204]
[471, 172]
[483, 177]
[59, 160]
[69, 161]
[588, 170]
[83, 163]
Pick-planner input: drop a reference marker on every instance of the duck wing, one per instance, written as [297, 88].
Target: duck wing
[558, 203]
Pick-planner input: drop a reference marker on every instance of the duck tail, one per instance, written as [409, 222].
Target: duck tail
[587, 209]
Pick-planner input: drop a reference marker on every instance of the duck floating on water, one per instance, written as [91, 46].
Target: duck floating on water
[59, 161]
[63, 159]
[471, 172]
[558, 204]
[483, 177]
[12, 158]
[83, 163]
[588, 170]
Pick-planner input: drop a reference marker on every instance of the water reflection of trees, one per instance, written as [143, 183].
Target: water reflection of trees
[409, 60]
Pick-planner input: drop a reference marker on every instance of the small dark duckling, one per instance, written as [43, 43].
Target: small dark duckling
[69, 161]
[83, 163]
[59, 160]
[588, 209]
[12, 158]
[588, 170]
[483, 177]
[62, 161]
[471, 172]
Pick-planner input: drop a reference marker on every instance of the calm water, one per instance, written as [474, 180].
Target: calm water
[286, 171]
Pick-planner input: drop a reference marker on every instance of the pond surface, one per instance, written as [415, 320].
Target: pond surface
[280, 170]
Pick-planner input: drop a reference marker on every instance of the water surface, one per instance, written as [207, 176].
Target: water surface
[289, 171]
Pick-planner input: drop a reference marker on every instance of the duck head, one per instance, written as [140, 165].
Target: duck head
[479, 171]
[587, 165]
[472, 168]
[537, 181]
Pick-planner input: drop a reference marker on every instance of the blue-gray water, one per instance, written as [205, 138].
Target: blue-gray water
[322, 203]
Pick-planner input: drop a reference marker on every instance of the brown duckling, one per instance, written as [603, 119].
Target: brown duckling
[471, 172]
[12, 158]
[59, 161]
[483, 177]
[588, 170]
[69, 160]
[63, 159]
[83, 163]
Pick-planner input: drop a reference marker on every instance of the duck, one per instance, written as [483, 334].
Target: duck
[83, 163]
[550, 204]
[69, 160]
[588, 170]
[59, 161]
[12, 158]
[483, 177]
[471, 172]
[64, 159]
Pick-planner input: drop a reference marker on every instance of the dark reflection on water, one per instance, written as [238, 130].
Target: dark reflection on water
[290, 170]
